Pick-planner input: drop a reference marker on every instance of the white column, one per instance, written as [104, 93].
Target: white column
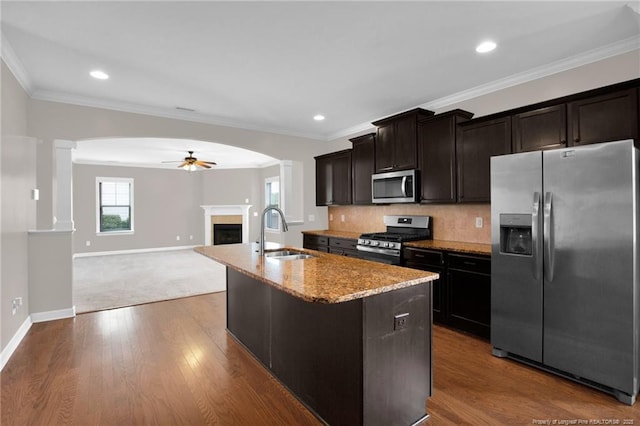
[63, 220]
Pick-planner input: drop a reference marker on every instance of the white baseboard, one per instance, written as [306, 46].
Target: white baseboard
[132, 251]
[53, 315]
[14, 342]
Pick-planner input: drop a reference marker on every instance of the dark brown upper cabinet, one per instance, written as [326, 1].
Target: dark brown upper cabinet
[542, 128]
[604, 118]
[437, 156]
[362, 167]
[397, 141]
[476, 142]
[333, 178]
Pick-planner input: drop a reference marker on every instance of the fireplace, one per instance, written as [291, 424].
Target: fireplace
[227, 233]
[228, 215]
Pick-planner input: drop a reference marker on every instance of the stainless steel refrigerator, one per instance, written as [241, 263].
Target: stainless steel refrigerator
[564, 279]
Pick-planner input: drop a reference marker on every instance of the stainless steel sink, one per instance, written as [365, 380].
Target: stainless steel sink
[287, 255]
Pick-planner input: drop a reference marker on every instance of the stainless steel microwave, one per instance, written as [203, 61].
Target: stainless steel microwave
[394, 187]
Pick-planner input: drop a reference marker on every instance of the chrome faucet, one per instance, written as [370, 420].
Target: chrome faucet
[285, 227]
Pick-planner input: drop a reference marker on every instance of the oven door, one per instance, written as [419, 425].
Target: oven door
[390, 257]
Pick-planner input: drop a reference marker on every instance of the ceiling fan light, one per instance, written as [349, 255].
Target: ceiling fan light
[190, 167]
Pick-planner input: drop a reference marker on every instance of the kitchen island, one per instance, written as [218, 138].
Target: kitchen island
[351, 339]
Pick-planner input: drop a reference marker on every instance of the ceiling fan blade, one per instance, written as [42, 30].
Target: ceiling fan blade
[202, 164]
[183, 164]
[208, 162]
[171, 161]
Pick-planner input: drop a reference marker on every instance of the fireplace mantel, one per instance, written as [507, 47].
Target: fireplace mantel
[226, 210]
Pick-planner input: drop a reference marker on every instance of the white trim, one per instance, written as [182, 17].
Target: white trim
[15, 65]
[100, 179]
[268, 180]
[11, 347]
[50, 231]
[53, 315]
[226, 210]
[132, 251]
[585, 58]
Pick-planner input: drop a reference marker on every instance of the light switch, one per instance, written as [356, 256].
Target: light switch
[35, 194]
[478, 222]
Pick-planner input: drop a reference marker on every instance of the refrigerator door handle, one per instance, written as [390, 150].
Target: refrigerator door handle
[548, 237]
[535, 237]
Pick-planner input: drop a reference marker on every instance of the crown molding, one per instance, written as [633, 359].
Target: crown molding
[15, 64]
[585, 58]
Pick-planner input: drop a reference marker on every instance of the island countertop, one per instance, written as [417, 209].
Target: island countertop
[325, 278]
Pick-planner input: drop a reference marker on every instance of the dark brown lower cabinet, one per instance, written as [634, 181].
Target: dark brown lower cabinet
[469, 286]
[315, 242]
[334, 245]
[462, 295]
[347, 362]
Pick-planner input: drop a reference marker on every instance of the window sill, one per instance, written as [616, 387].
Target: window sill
[101, 234]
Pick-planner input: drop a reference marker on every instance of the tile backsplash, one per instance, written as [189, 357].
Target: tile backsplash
[452, 222]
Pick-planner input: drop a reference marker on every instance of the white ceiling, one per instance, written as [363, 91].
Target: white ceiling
[273, 65]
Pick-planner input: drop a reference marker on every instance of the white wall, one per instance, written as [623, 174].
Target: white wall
[17, 209]
[166, 205]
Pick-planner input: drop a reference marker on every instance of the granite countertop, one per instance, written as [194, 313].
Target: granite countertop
[326, 278]
[335, 234]
[457, 246]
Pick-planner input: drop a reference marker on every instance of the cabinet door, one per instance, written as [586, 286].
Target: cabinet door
[405, 145]
[324, 192]
[469, 285]
[341, 178]
[604, 118]
[436, 156]
[544, 128]
[363, 166]
[476, 142]
[384, 147]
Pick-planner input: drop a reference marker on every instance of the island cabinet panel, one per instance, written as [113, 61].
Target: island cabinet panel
[604, 118]
[248, 313]
[476, 142]
[396, 396]
[317, 353]
[362, 362]
[542, 128]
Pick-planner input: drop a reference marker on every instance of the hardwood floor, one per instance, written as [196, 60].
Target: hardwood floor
[173, 363]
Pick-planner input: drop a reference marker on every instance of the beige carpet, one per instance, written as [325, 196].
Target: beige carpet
[106, 282]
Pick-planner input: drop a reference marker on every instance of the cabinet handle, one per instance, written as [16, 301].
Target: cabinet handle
[418, 255]
[466, 262]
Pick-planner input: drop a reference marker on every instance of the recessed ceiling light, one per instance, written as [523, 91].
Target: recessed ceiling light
[485, 46]
[318, 117]
[100, 75]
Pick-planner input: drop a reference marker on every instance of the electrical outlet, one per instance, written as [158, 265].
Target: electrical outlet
[478, 222]
[330, 216]
[341, 218]
[191, 237]
[246, 201]
[312, 218]
[177, 237]
[401, 321]
[87, 243]
[15, 305]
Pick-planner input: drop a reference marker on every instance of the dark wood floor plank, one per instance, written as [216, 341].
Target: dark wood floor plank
[173, 363]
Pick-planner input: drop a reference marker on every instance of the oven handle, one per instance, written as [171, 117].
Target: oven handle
[391, 252]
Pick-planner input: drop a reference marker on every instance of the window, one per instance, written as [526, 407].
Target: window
[272, 198]
[114, 205]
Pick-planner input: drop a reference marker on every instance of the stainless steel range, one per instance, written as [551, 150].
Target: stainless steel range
[386, 247]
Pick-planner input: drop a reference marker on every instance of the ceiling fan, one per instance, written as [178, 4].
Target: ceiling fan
[191, 163]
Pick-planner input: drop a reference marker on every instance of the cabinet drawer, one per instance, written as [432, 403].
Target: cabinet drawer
[424, 257]
[343, 243]
[470, 263]
[315, 240]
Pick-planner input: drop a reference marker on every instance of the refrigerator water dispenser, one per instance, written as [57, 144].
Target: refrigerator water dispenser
[515, 234]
